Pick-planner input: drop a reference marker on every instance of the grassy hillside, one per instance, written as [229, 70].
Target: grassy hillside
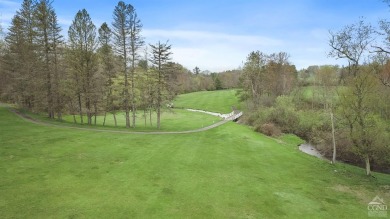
[227, 172]
[213, 101]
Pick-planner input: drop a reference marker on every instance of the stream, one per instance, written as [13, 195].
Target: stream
[311, 150]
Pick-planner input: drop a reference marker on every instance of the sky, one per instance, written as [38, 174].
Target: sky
[218, 35]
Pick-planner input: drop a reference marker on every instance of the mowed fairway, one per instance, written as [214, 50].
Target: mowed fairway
[213, 101]
[226, 172]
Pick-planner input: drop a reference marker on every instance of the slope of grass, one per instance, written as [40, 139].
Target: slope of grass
[214, 101]
[227, 172]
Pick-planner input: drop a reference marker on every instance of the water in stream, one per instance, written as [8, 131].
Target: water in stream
[310, 149]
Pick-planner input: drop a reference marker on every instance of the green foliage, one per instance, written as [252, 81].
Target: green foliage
[266, 75]
[357, 108]
[310, 123]
[307, 124]
[284, 114]
[218, 83]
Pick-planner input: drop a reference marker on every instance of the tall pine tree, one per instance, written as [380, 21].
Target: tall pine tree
[21, 60]
[48, 39]
[83, 61]
[127, 41]
[161, 54]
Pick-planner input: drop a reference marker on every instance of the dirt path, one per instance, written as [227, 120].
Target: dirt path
[35, 121]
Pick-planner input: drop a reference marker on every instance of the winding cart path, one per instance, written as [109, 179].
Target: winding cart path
[233, 116]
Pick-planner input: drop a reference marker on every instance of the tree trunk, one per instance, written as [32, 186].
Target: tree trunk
[48, 73]
[58, 96]
[133, 108]
[134, 114]
[334, 140]
[80, 109]
[104, 119]
[95, 113]
[159, 95]
[113, 114]
[89, 113]
[59, 115]
[127, 108]
[127, 119]
[368, 167]
[150, 117]
[158, 117]
[74, 119]
[145, 116]
[49, 95]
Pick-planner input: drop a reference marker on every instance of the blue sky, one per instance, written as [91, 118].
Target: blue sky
[217, 35]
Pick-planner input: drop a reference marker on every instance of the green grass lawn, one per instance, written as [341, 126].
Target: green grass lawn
[226, 172]
[172, 120]
[214, 101]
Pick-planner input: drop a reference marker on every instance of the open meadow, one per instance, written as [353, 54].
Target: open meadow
[226, 172]
[220, 101]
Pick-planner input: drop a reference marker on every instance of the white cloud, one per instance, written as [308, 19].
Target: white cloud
[203, 36]
[214, 59]
[214, 51]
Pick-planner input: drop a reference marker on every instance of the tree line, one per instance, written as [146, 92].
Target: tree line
[343, 109]
[95, 70]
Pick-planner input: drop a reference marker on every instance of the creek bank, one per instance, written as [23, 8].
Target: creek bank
[311, 150]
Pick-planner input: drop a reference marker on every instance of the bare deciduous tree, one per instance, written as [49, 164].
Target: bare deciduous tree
[351, 43]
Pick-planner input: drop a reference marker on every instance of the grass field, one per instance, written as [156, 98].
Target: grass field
[226, 172]
[213, 101]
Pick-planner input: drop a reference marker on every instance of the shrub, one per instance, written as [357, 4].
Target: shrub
[284, 114]
[269, 129]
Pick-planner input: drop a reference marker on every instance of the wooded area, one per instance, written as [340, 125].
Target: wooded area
[93, 71]
[280, 99]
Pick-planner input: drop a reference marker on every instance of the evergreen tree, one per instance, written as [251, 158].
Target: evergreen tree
[160, 56]
[127, 41]
[47, 40]
[82, 60]
[21, 59]
[107, 66]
